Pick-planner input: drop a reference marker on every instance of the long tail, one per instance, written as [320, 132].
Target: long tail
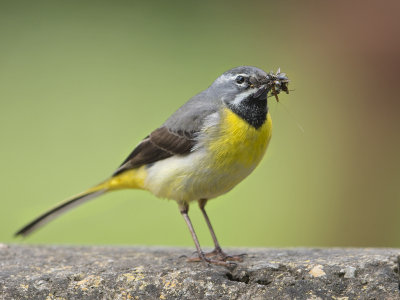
[58, 210]
[130, 179]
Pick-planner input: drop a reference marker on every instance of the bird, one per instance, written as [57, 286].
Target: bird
[203, 150]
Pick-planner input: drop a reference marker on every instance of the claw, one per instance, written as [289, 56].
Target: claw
[218, 257]
[223, 263]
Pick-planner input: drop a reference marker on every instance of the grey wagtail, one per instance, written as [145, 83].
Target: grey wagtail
[203, 150]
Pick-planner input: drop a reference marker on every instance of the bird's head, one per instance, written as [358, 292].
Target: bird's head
[248, 83]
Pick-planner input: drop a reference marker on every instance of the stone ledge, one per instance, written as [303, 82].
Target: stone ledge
[69, 272]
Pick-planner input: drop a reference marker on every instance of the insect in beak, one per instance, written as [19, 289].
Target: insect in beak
[275, 93]
[277, 82]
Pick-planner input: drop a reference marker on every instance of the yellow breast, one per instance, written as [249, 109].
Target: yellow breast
[239, 143]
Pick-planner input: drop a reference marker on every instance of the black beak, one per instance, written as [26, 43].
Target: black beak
[261, 92]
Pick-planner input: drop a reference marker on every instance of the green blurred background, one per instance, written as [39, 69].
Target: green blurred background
[82, 82]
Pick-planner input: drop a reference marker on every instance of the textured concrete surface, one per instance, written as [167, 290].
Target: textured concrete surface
[60, 272]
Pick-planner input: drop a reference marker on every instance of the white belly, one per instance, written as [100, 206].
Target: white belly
[192, 177]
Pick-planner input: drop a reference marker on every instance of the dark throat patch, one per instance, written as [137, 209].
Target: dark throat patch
[252, 110]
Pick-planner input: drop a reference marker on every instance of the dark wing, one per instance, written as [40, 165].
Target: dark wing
[160, 144]
[176, 136]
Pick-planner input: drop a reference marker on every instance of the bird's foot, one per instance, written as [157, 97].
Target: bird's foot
[221, 255]
[218, 262]
[218, 257]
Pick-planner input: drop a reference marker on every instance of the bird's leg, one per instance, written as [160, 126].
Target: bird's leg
[221, 255]
[217, 250]
[184, 208]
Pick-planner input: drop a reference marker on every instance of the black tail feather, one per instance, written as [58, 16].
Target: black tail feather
[56, 211]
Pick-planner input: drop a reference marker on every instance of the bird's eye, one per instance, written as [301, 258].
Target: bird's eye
[239, 79]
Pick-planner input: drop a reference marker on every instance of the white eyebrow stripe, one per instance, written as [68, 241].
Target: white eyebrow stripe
[228, 77]
[244, 75]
